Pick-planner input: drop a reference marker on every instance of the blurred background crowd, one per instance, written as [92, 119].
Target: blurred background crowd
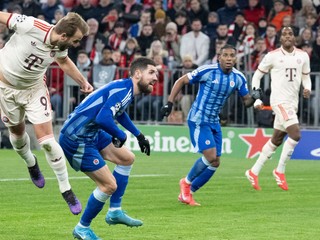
[179, 35]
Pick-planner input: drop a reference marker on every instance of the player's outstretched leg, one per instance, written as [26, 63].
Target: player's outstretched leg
[120, 217]
[280, 179]
[80, 232]
[253, 179]
[36, 175]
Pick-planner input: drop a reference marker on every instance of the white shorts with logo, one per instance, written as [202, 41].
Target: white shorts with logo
[285, 116]
[33, 102]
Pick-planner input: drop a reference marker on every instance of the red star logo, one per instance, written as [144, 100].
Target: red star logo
[255, 141]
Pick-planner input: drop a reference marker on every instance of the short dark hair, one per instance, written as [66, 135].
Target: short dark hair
[140, 63]
[228, 46]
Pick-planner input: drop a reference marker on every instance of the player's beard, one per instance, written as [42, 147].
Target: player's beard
[63, 46]
[144, 87]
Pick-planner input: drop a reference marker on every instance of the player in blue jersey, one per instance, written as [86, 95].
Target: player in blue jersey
[216, 83]
[87, 136]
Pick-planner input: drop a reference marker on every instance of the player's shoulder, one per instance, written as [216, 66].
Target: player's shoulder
[300, 52]
[208, 67]
[238, 73]
[275, 52]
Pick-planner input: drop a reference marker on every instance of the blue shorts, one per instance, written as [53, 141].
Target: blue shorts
[86, 156]
[205, 136]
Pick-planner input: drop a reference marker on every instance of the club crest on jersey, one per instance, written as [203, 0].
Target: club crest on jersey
[232, 83]
[207, 142]
[96, 161]
[52, 53]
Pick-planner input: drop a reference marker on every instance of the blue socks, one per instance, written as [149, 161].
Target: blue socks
[95, 204]
[121, 174]
[200, 173]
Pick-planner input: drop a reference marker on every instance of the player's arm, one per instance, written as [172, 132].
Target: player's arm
[166, 109]
[4, 17]
[71, 70]
[126, 122]
[306, 81]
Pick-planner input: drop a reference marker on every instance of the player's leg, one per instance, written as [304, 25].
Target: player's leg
[123, 158]
[289, 145]
[13, 115]
[87, 158]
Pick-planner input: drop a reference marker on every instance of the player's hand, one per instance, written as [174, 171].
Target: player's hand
[144, 144]
[256, 93]
[258, 104]
[86, 87]
[306, 93]
[166, 109]
[117, 142]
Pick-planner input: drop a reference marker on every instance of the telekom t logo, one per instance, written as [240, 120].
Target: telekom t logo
[33, 60]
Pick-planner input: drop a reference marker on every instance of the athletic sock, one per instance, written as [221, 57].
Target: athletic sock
[95, 204]
[266, 153]
[286, 153]
[57, 161]
[121, 174]
[22, 146]
[203, 178]
[198, 167]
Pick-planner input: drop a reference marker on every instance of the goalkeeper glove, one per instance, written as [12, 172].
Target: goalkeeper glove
[166, 109]
[256, 93]
[144, 144]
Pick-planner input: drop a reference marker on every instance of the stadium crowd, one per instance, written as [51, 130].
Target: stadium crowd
[176, 34]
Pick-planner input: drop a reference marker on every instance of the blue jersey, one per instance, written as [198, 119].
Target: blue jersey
[98, 111]
[215, 88]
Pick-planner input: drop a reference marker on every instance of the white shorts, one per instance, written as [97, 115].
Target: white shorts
[285, 116]
[32, 102]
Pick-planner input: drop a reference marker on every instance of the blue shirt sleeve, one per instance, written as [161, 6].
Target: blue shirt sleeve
[126, 122]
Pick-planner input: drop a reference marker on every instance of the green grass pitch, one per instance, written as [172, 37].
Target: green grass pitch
[231, 208]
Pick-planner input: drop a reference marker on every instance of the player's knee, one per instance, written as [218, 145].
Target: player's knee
[215, 163]
[109, 188]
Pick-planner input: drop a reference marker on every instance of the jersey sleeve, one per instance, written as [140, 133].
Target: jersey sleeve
[243, 86]
[196, 75]
[306, 65]
[266, 63]
[20, 23]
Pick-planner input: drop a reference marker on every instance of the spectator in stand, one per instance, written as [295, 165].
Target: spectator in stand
[260, 50]
[107, 24]
[117, 39]
[171, 43]
[227, 14]
[195, 43]
[55, 81]
[155, 99]
[262, 27]
[315, 56]
[58, 14]
[278, 12]
[186, 97]
[129, 11]
[178, 5]
[211, 28]
[136, 29]
[156, 5]
[219, 45]
[287, 22]
[182, 23]
[31, 8]
[94, 42]
[85, 9]
[128, 55]
[222, 35]
[160, 24]
[306, 37]
[246, 47]
[146, 38]
[156, 48]
[254, 11]
[238, 27]
[214, 5]
[301, 16]
[197, 12]
[271, 38]
[103, 9]
[116, 57]
[311, 22]
[50, 7]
